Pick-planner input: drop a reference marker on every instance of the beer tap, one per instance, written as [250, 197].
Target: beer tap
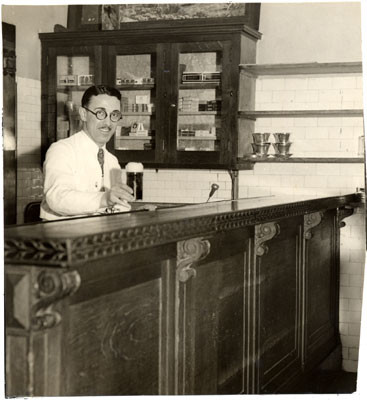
[213, 189]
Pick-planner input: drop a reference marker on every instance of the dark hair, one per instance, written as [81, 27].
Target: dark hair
[99, 89]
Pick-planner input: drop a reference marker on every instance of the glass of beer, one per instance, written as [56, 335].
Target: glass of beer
[134, 178]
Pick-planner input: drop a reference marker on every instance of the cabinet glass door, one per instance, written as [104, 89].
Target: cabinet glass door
[199, 130]
[199, 102]
[74, 74]
[135, 77]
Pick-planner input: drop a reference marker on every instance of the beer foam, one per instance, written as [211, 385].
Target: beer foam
[134, 167]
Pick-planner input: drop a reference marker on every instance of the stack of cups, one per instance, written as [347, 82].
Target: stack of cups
[261, 144]
[282, 144]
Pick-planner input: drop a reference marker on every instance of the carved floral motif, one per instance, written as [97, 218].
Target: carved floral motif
[52, 286]
[344, 212]
[310, 221]
[189, 252]
[264, 233]
[34, 250]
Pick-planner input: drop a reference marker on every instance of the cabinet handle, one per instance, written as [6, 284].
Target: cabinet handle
[173, 105]
[163, 145]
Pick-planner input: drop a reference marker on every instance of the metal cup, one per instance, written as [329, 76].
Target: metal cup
[260, 138]
[281, 137]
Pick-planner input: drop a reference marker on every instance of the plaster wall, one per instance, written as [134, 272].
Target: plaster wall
[29, 22]
[309, 32]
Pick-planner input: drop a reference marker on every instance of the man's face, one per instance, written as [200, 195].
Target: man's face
[100, 131]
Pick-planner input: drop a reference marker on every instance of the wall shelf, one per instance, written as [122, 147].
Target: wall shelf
[340, 160]
[302, 68]
[253, 115]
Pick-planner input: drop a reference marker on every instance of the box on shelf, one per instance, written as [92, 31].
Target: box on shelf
[67, 80]
[85, 79]
[123, 143]
[188, 144]
[135, 81]
[189, 77]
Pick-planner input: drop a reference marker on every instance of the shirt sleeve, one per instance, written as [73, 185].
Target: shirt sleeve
[60, 191]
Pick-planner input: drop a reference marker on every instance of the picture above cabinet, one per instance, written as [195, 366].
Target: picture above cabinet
[180, 87]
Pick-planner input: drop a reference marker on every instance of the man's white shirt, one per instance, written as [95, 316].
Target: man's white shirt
[73, 178]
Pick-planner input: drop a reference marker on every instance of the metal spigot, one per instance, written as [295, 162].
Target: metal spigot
[213, 189]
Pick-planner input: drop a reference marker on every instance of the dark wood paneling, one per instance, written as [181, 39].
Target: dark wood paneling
[9, 124]
[113, 343]
[322, 276]
[279, 312]
[16, 382]
[210, 308]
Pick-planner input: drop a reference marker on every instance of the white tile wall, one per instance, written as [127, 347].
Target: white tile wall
[313, 136]
[29, 174]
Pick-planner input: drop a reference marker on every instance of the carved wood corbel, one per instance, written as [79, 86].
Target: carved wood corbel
[51, 287]
[344, 212]
[264, 233]
[310, 221]
[188, 252]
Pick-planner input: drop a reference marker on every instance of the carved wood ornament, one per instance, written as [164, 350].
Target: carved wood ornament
[51, 287]
[344, 213]
[79, 250]
[189, 252]
[263, 233]
[310, 221]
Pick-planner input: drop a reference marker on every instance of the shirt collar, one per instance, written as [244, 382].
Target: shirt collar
[90, 143]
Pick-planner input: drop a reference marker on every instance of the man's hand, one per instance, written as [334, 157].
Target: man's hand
[118, 194]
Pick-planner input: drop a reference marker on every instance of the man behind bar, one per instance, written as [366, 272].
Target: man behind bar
[81, 177]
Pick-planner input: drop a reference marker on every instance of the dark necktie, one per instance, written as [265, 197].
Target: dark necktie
[100, 157]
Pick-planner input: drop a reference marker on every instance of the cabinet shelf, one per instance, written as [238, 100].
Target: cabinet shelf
[65, 88]
[302, 68]
[136, 87]
[138, 114]
[133, 137]
[253, 115]
[198, 113]
[196, 138]
[200, 86]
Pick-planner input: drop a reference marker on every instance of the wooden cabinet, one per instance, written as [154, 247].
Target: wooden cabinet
[180, 85]
[228, 299]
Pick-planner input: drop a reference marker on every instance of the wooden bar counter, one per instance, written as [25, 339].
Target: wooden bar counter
[219, 298]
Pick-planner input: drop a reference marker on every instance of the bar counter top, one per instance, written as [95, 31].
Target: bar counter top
[123, 232]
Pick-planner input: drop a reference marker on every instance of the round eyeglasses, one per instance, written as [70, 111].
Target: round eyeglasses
[101, 114]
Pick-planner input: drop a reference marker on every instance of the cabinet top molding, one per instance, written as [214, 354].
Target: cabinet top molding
[302, 68]
[173, 28]
[77, 241]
